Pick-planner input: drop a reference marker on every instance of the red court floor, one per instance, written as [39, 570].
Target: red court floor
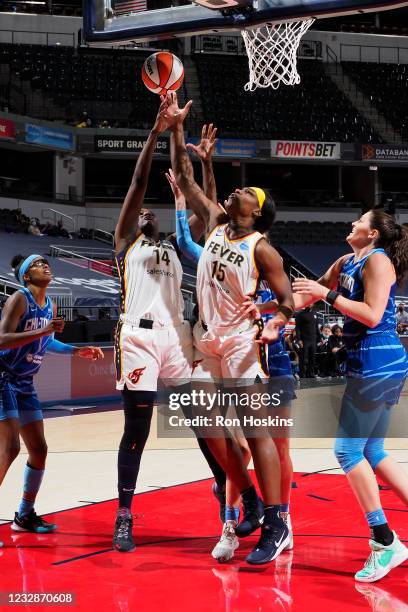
[172, 569]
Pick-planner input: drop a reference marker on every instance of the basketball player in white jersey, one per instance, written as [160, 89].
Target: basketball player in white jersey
[152, 338]
[235, 255]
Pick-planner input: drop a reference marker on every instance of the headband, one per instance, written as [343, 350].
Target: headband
[25, 266]
[260, 194]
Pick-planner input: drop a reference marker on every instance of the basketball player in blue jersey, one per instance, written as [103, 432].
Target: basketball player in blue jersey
[362, 287]
[152, 341]
[280, 372]
[27, 327]
[234, 257]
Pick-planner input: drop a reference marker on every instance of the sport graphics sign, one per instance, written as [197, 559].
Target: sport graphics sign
[378, 152]
[121, 144]
[305, 149]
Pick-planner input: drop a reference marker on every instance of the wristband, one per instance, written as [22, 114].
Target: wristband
[331, 297]
[286, 311]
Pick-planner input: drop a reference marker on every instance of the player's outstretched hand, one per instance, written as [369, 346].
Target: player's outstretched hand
[89, 352]
[179, 199]
[250, 309]
[306, 286]
[56, 325]
[172, 113]
[205, 148]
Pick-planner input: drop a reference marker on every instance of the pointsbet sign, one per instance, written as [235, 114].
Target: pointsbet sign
[289, 149]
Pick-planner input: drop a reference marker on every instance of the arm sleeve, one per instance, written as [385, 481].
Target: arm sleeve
[187, 246]
[55, 346]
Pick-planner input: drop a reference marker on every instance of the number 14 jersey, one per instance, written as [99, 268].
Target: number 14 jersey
[150, 276]
[226, 273]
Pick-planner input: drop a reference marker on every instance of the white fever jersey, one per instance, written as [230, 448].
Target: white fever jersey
[226, 273]
[150, 276]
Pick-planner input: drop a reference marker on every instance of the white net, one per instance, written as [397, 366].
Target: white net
[271, 51]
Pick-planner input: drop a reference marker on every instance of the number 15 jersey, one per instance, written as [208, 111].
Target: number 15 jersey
[226, 273]
[150, 276]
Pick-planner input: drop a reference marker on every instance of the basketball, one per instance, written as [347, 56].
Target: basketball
[162, 72]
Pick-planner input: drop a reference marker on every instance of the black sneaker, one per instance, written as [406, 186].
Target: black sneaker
[122, 538]
[32, 522]
[273, 540]
[252, 519]
[220, 496]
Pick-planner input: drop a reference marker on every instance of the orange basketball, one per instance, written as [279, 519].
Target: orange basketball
[162, 72]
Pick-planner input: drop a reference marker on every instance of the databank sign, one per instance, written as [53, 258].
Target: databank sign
[286, 149]
[383, 152]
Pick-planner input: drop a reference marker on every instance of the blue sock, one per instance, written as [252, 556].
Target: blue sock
[231, 514]
[284, 508]
[32, 483]
[376, 517]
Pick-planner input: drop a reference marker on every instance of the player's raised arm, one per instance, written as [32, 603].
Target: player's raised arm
[134, 198]
[204, 151]
[203, 206]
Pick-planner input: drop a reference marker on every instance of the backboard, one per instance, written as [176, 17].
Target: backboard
[105, 23]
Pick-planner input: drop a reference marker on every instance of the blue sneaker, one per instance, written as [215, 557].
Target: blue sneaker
[253, 517]
[273, 540]
[31, 522]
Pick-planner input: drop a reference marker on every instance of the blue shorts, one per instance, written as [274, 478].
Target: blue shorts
[376, 369]
[19, 400]
[280, 371]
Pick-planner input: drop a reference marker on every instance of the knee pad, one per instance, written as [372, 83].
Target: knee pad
[374, 451]
[349, 452]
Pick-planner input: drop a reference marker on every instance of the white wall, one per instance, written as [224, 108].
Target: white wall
[33, 29]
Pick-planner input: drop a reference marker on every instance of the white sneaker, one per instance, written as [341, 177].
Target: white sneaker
[382, 560]
[286, 519]
[228, 544]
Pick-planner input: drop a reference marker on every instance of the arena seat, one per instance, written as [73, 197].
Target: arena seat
[386, 87]
[290, 112]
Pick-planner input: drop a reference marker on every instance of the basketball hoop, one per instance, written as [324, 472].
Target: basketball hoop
[271, 51]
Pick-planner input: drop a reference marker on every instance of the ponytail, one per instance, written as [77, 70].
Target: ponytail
[398, 252]
[393, 238]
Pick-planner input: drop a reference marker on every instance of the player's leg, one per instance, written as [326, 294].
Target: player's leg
[282, 384]
[224, 549]
[138, 411]
[246, 362]
[32, 433]
[355, 456]
[137, 373]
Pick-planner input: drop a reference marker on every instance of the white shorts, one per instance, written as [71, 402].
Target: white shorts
[229, 355]
[144, 355]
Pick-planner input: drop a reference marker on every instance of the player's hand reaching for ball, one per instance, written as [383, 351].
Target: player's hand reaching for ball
[89, 352]
[205, 148]
[171, 113]
[179, 199]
